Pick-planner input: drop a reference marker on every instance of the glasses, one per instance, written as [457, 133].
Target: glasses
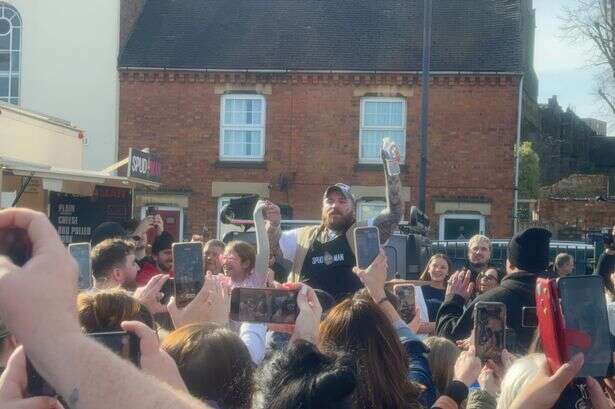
[487, 277]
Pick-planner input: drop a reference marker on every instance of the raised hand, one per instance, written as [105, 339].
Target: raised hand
[461, 284]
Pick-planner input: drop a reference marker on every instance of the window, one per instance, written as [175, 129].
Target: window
[369, 208]
[380, 118]
[461, 226]
[242, 130]
[10, 52]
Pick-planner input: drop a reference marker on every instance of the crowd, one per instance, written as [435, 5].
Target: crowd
[351, 345]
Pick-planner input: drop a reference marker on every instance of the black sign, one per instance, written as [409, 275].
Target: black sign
[75, 217]
[144, 166]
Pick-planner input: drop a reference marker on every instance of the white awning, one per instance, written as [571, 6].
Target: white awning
[54, 177]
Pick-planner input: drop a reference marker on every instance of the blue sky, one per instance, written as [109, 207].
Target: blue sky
[562, 67]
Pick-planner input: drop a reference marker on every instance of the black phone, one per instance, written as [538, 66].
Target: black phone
[367, 241]
[489, 330]
[81, 254]
[584, 310]
[529, 319]
[188, 267]
[15, 244]
[124, 344]
[167, 290]
[269, 305]
[407, 301]
[391, 255]
[151, 211]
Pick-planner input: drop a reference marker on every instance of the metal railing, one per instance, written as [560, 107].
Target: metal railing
[457, 250]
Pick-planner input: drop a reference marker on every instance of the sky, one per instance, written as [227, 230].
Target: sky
[562, 67]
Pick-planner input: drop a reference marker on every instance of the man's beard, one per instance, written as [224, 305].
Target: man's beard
[340, 225]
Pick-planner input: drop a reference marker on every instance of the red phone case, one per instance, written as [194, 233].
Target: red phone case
[554, 335]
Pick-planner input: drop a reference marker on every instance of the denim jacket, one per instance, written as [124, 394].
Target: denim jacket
[418, 369]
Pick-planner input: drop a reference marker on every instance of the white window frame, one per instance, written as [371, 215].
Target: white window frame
[169, 208]
[16, 23]
[466, 216]
[262, 128]
[362, 127]
[360, 202]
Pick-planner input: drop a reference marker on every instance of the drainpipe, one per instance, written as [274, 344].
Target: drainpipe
[517, 158]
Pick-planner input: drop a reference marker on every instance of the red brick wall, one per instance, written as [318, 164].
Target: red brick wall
[572, 218]
[312, 130]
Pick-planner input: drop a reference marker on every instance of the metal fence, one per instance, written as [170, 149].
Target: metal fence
[457, 250]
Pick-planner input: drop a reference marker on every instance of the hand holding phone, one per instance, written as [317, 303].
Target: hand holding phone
[489, 330]
[367, 242]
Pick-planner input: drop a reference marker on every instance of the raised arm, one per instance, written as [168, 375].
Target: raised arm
[262, 240]
[390, 217]
[273, 218]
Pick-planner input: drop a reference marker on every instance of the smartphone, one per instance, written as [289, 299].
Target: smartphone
[528, 317]
[391, 255]
[167, 290]
[124, 344]
[584, 311]
[188, 267]
[15, 244]
[367, 242]
[489, 330]
[268, 305]
[151, 211]
[81, 253]
[407, 302]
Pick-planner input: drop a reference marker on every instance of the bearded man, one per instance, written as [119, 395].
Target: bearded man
[323, 256]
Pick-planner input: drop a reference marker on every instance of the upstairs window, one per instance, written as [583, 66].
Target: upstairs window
[242, 130]
[10, 53]
[381, 118]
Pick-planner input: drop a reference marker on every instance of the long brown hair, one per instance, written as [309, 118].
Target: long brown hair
[425, 276]
[358, 326]
[214, 363]
[104, 311]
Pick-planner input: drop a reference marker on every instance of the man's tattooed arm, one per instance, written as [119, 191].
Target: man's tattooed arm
[274, 232]
[390, 217]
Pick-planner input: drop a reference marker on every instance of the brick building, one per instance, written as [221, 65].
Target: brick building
[282, 98]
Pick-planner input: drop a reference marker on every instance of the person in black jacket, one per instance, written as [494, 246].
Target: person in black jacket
[528, 256]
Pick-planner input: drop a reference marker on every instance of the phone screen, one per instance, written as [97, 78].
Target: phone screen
[368, 245]
[489, 330]
[81, 253]
[407, 303]
[584, 309]
[16, 245]
[188, 267]
[275, 306]
[124, 344]
[151, 211]
[391, 255]
[529, 318]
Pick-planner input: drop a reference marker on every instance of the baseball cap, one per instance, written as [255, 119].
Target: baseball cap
[342, 188]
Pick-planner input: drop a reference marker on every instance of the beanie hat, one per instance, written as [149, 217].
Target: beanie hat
[529, 250]
[107, 230]
[162, 242]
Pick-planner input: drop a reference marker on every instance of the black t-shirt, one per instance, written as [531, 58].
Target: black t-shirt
[434, 297]
[328, 267]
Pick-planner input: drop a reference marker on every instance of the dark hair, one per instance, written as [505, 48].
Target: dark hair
[104, 311]
[303, 377]
[500, 274]
[604, 268]
[162, 242]
[109, 254]
[358, 326]
[244, 250]
[425, 276]
[214, 363]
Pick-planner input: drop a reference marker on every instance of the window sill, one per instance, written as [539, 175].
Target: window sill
[375, 167]
[230, 164]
